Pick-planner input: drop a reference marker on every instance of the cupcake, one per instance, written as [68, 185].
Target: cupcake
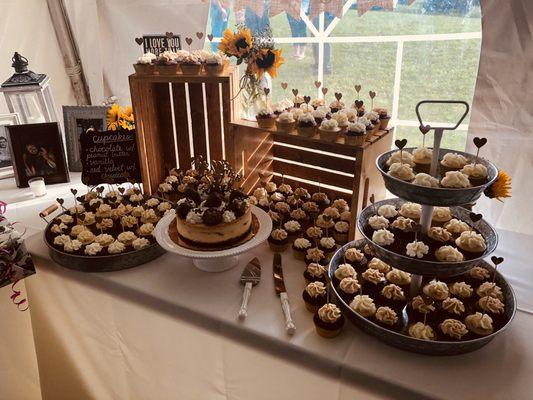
[86, 237]
[436, 290]
[213, 64]
[393, 296]
[311, 208]
[455, 180]
[300, 247]
[456, 227]
[302, 194]
[400, 278]
[423, 179]
[313, 234]
[104, 240]
[388, 318]
[329, 130]
[462, 291]
[319, 116]
[298, 100]
[372, 281]
[315, 272]
[480, 324]
[146, 230]
[191, 64]
[492, 306]
[401, 171]
[126, 238]
[60, 240]
[363, 305]
[328, 321]
[265, 118]
[452, 162]
[278, 240]
[477, 275]
[285, 122]
[315, 296]
[316, 103]
[306, 125]
[315, 255]
[72, 246]
[344, 271]
[404, 156]
[377, 222]
[441, 216]
[166, 63]
[438, 237]
[471, 244]
[381, 266]
[327, 245]
[388, 211]
[348, 288]
[321, 199]
[448, 254]
[336, 105]
[342, 120]
[422, 157]
[355, 134]
[373, 117]
[93, 249]
[293, 228]
[340, 232]
[420, 309]
[306, 108]
[271, 187]
[116, 247]
[416, 249]
[477, 174]
[356, 258]
[411, 210]
[383, 238]
[384, 117]
[452, 330]
[421, 331]
[341, 205]
[490, 289]
[140, 243]
[300, 216]
[452, 307]
[145, 64]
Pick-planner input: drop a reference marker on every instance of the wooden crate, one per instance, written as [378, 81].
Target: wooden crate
[341, 170]
[180, 116]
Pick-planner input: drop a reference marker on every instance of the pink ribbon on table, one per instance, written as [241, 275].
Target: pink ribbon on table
[16, 294]
[3, 207]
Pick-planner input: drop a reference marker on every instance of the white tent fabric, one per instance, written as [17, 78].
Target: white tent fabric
[502, 109]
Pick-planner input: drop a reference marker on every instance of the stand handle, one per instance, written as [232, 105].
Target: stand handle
[243, 312]
[289, 324]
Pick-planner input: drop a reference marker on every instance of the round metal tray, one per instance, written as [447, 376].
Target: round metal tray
[423, 267]
[435, 196]
[112, 262]
[404, 342]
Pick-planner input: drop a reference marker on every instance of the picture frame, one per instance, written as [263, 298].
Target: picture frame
[6, 164]
[78, 119]
[37, 151]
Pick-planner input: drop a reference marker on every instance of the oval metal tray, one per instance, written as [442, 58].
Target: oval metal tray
[423, 267]
[404, 342]
[435, 196]
[114, 262]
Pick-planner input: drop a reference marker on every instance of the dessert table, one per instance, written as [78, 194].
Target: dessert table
[168, 330]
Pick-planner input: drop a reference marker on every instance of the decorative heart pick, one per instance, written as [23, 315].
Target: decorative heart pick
[373, 201]
[139, 40]
[121, 190]
[479, 143]
[357, 89]
[400, 143]
[80, 199]
[199, 35]
[284, 85]
[307, 99]
[358, 104]
[496, 260]
[73, 191]
[100, 189]
[169, 35]
[372, 94]
[324, 90]
[338, 96]
[81, 217]
[210, 37]
[424, 129]
[267, 91]
[60, 201]
[475, 217]
[188, 40]
[295, 92]
[318, 84]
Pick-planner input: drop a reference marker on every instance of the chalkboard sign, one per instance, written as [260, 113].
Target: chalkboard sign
[157, 44]
[109, 157]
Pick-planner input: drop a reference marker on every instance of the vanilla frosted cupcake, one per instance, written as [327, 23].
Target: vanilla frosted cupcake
[401, 171]
[448, 254]
[404, 156]
[456, 227]
[344, 271]
[86, 237]
[140, 243]
[411, 211]
[315, 296]
[126, 238]
[455, 179]
[452, 162]
[383, 238]
[328, 321]
[421, 331]
[72, 246]
[285, 122]
[423, 179]
[146, 229]
[422, 157]
[377, 222]
[315, 272]
[336, 105]
[477, 173]
[348, 288]
[441, 216]
[355, 134]
[306, 108]
[329, 130]
[480, 324]
[265, 118]
[93, 249]
[436, 290]
[472, 244]
[213, 64]
[387, 317]
[388, 211]
[116, 247]
[363, 305]
[417, 249]
[306, 125]
[453, 329]
[380, 265]
[104, 239]
[489, 289]
[300, 247]
[298, 100]
[342, 120]
[340, 233]
[319, 116]
[145, 64]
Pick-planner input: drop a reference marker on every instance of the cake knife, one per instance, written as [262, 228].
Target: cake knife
[281, 291]
[251, 275]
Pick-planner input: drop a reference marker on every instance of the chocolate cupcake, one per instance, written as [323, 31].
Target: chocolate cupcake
[328, 321]
[489, 289]
[411, 210]
[380, 265]
[393, 296]
[400, 278]
[373, 282]
[477, 275]
[493, 307]
[348, 288]
[402, 228]
[321, 199]
[420, 309]
[315, 255]
[313, 234]
[436, 290]
[479, 324]
[315, 296]
[293, 228]
[363, 305]
[388, 211]
[438, 237]
[388, 318]
[452, 330]
[441, 216]
[327, 245]
[300, 247]
[356, 258]
[278, 240]
[301, 217]
[471, 244]
[383, 238]
[452, 308]
[340, 232]
[343, 271]
[422, 157]
[315, 272]
[452, 162]
[477, 174]
[462, 291]
[456, 227]
[421, 331]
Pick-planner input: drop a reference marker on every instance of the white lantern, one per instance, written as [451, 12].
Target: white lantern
[29, 94]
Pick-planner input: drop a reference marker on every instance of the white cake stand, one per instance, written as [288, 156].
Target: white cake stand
[213, 261]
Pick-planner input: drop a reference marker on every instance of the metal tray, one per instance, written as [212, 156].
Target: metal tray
[112, 262]
[435, 196]
[404, 342]
[422, 267]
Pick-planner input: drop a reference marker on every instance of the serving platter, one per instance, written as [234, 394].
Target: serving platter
[405, 342]
[213, 261]
[435, 196]
[425, 267]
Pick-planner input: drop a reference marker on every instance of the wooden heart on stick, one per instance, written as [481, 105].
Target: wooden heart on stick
[496, 260]
[73, 191]
[480, 142]
[295, 92]
[121, 190]
[324, 90]
[210, 37]
[307, 99]
[267, 91]
[475, 217]
[188, 40]
[400, 143]
[60, 201]
[372, 94]
[318, 84]
[357, 88]
[338, 96]
[358, 104]
[199, 35]
[169, 35]
[284, 85]
[139, 40]
[424, 129]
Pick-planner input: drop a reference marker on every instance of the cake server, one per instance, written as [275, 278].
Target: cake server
[279, 284]
[249, 278]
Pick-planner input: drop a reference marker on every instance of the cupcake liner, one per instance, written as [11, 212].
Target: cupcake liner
[306, 131]
[330, 136]
[266, 123]
[285, 127]
[191, 69]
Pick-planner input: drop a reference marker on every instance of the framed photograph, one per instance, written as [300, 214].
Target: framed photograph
[37, 151]
[6, 165]
[77, 120]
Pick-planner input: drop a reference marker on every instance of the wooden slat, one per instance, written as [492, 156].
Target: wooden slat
[181, 122]
[253, 179]
[196, 102]
[308, 157]
[312, 174]
[332, 194]
[214, 121]
[259, 155]
[226, 111]
[166, 132]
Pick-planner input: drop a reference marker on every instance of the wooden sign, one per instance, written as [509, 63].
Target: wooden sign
[157, 44]
[109, 157]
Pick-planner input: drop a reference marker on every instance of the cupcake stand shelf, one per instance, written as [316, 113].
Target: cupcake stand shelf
[422, 269]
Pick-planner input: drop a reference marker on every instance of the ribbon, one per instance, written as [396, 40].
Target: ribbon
[3, 207]
[18, 302]
[16, 295]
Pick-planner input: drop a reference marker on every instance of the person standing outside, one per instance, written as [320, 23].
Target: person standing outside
[220, 12]
[299, 29]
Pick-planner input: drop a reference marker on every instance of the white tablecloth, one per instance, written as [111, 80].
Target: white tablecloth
[166, 330]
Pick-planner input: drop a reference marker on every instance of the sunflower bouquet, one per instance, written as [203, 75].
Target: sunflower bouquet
[259, 54]
[120, 118]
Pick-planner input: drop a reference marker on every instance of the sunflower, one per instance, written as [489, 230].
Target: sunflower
[501, 188]
[236, 44]
[128, 115]
[267, 60]
[114, 115]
